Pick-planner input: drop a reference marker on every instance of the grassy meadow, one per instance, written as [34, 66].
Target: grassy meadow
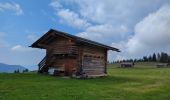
[144, 82]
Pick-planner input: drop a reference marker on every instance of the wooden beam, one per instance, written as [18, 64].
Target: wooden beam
[63, 36]
[43, 46]
[80, 59]
[105, 59]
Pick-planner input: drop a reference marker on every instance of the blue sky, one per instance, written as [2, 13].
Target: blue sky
[137, 27]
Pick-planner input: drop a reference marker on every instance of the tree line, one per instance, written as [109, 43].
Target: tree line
[159, 57]
[17, 71]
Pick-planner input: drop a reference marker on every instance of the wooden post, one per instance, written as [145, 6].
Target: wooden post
[105, 59]
[80, 61]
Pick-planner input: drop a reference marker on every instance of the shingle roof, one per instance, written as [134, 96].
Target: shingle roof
[78, 39]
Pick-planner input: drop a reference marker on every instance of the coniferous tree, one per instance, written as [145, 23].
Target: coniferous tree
[154, 57]
[25, 70]
[15, 71]
[158, 57]
[145, 58]
[150, 58]
[169, 59]
[135, 60]
[164, 57]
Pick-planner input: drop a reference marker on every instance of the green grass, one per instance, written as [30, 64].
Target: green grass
[120, 84]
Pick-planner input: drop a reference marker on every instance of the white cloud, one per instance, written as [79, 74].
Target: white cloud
[56, 4]
[105, 33]
[120, 57]
[11, 7]
[130, 25]
[20, 48]
[120, 45]
[114, 56]
[116, 12]
[72, 18]
[114, 19]
[152, 33]
[115, 16]
[68, 16]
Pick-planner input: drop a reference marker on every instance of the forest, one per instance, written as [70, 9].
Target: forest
[155, 57]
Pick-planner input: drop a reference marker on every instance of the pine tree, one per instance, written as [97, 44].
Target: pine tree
[145, 58]
[26, 70]
[158, 57]
[150, 58]
[164, 57]
[17, 71]
[154, 57]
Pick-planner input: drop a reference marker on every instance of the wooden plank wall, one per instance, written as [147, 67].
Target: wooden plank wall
[90, 59]
[58, 49]
[61, 45]
[94, 60]
[71, 66]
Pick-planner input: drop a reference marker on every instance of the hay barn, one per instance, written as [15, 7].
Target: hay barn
[69, 55]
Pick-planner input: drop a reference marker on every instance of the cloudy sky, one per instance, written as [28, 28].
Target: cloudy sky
[136, 27]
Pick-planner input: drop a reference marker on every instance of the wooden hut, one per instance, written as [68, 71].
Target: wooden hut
[69, 55]
[161, 65]
[127, 64]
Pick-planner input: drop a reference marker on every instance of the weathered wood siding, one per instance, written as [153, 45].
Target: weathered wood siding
[72, 54]
[62, 55]
[71, 66]
[62, 46]
[93, 60]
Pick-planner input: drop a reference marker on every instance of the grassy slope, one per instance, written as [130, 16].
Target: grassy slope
[121, 84]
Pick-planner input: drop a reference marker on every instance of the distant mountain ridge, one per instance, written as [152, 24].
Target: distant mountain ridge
[5, 68]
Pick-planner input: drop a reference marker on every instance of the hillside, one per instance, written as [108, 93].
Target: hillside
[10, 68]
[120, 84]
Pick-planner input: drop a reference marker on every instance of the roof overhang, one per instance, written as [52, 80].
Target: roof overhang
[51, 34]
